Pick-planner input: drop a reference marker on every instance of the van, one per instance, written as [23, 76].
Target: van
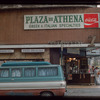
[32, 78]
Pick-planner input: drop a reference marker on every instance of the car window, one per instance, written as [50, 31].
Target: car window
[51, 71]
[4, 72]
[16, 72]
[29, 72]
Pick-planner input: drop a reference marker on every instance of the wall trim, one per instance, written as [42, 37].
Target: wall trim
[47, 45]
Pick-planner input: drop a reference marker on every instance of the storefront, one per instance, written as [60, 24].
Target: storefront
[16, 54]
[60, 35]
[77, 70]
[75, 65]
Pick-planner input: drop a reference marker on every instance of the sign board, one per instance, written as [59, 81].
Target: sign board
[61, 21]
[32, 50]
[91, 21]
[69, 76]
[93, 52]
[7, 51]
[73, 50]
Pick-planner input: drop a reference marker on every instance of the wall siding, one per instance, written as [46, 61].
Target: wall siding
[12, 27]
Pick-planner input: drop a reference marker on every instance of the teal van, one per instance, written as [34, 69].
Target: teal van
[32, 78]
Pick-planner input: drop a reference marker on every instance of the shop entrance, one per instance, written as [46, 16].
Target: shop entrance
[73, 65]
[77, 70]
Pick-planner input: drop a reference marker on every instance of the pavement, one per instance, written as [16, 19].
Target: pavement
[83, 91]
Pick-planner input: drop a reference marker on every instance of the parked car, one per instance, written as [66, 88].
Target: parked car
[37, 79]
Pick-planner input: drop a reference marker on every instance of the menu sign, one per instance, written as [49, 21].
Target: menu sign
[61, 21]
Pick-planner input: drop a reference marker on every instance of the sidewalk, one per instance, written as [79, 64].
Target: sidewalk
[83, 86]
[83, 90]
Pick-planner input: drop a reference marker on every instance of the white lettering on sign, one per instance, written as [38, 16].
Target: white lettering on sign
[90, 20]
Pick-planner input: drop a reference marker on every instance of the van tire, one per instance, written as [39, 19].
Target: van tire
[46, 94]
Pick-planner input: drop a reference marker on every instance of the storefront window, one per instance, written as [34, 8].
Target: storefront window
[93, 62]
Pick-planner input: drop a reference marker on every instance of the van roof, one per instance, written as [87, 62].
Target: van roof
[39, 66]
[26, 63]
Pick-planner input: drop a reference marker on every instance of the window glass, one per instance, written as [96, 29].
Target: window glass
[51, 71]
[4, 72]
[16, 72]
[29, 72]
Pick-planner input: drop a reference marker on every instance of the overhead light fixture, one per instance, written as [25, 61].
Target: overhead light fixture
[98, 6]
[74, 58]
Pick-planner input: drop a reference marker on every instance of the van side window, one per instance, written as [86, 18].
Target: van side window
[51, 71]
[16, 72]
[29, 72]
[4, 72]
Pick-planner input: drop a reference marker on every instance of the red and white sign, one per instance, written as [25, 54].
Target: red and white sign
[69, 76]
[91, 21]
